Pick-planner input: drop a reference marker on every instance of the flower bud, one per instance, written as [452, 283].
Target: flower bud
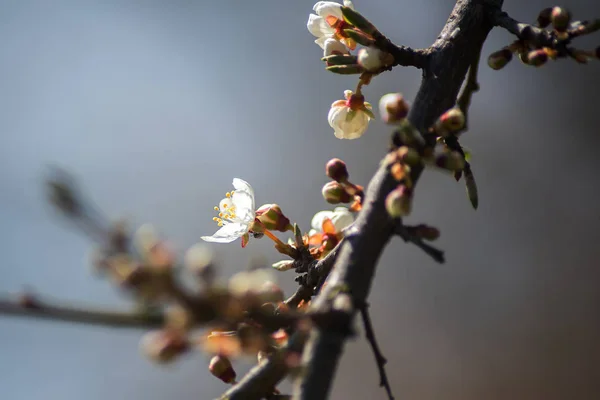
[452, 120]
[163, 346]
[372, 59]
[270, 292]
[537, 58]
[336, 170]
[334, 193]
[199, 260]
[427, 232]
[334, 47]
[398, 202]
[409, 156]
[451, 160]
[560, 18]
[393, 108]
[499, 59]
[544, 18]
[283, 265]
[272, 218]
[221, 367]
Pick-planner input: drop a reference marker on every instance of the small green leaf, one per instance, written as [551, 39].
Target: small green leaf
[354, 18]
[345, 69]
[350, 115]
[368, 112]
[359, 37]
[340, 59]
[471, 187]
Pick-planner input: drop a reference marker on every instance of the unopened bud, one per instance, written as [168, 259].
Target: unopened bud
[409, 156]
[537, 58]
[272, 218]
[270, 292]
[451, 160]
[372, 59]
[560, 18]
[544, 18]
[199, 260]
[409, 135]
[221, 367]
[452, 120]
[334, 193]
[499, 59]
[283, 265]
[398, 202]
[393, 108]
[163, 346]
[427, 232]
[398, 171]
[336, 170]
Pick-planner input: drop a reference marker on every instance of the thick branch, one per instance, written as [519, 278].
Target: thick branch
[451, 55]
[29, 307]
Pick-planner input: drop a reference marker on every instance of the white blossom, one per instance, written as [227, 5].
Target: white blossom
[349, 118]
[236, 213]
[341, 217]
[327, 23]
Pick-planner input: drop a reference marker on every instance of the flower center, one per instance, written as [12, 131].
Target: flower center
[226, 210]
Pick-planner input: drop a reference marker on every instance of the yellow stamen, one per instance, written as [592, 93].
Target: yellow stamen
[228, 195]
[216, 208]
[225, 205]
[215, 219]
[221, 215]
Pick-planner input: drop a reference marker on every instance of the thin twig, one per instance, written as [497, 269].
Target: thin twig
[379, 358]
[27, 306]
[435, 253]
[471, 86]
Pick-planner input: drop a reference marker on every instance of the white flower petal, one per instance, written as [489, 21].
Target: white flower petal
[244, 206]
[341, 218]
[325, 8]
[239, 184]
[318, 26]
[228, 233]
[332, 45]
[344, 129]
[348, 3]
[321, 41]
[317, 221]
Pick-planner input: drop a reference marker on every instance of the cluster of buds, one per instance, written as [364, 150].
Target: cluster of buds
[550, 39]
[340, 189]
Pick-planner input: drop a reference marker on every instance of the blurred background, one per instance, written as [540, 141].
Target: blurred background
[156, 106]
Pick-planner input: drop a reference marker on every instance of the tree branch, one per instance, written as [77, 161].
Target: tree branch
[28, 306]
[451, 55]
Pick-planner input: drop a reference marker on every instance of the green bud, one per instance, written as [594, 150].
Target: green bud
[452, 120]
[359, 37]
[340, 59]
[346, 69]
[409, 156]
[355, 19]
[398, 202]
[560, 18]
[499, 59]
[334, 193]
[221, 367]
[272, 218]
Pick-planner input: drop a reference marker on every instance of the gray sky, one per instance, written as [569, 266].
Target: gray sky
[156, 106]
